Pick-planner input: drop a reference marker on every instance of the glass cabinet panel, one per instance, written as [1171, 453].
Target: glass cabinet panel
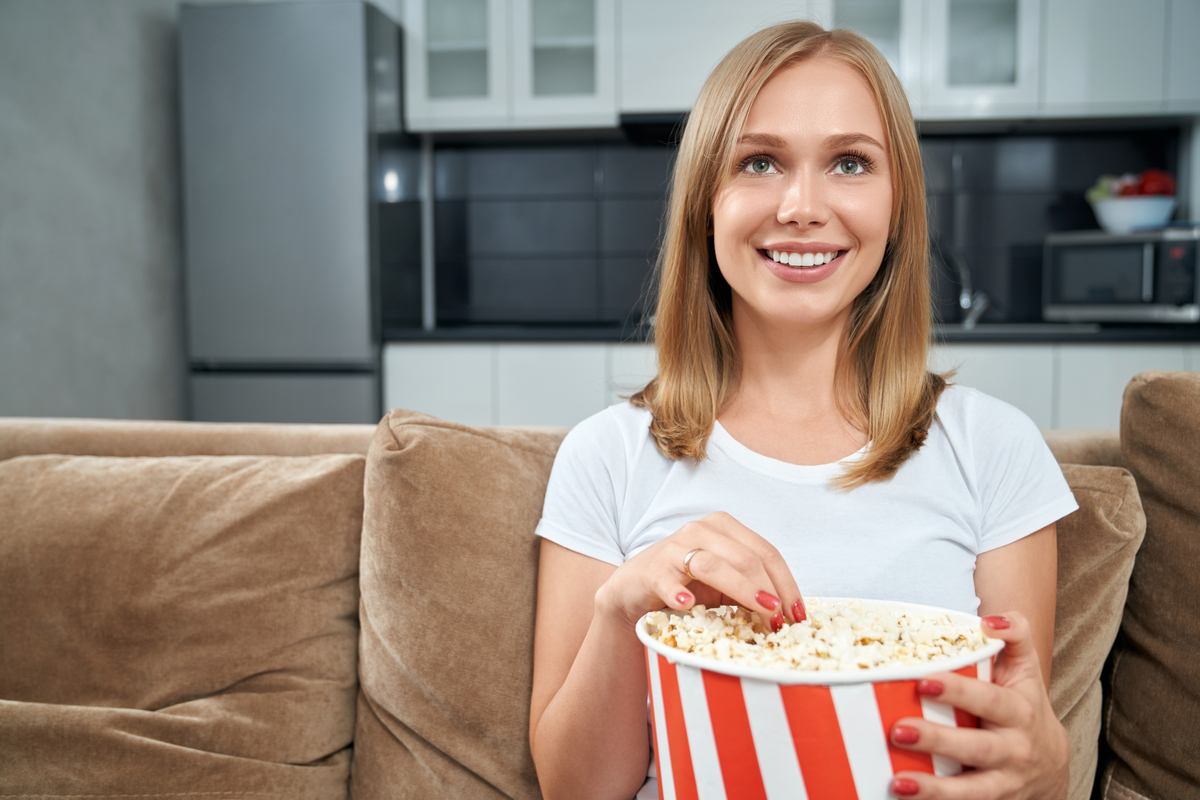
[564, 47]
[982, 43]
[877, 20]
[457, 48]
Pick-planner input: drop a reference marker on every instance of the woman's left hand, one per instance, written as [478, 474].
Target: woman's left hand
[1020, 751]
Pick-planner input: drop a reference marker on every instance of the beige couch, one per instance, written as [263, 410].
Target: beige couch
[273, 611]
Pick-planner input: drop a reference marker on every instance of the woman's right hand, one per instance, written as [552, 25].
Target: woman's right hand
[731, 565]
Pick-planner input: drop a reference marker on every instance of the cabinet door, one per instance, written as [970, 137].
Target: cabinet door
[668, 47]
[457, 64]
[1020, 374]
[630, 368]
[451, 381]
[894, 26]
[1092, 378]
[1183, 56]
[549, 384]
[1103, 56]
[981, 58]
[564, 63]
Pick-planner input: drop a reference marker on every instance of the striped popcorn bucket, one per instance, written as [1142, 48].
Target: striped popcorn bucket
[727, 731]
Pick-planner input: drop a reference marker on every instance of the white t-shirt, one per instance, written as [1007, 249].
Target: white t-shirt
[983, 479]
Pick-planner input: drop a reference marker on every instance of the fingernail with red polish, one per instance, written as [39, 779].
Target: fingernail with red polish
[767, 600]
[997, 622]
[904, 734]
[905, 787]
[798, 612]
[777, 622]
[930, 688]
[683, 598]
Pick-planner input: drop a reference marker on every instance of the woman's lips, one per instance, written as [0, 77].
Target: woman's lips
[801, 274]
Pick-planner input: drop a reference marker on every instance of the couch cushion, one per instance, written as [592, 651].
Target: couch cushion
[449, 573]
[178, 625]
[1096, 549]
[1153, 720]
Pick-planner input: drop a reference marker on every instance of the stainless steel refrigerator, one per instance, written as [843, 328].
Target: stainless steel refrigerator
[290, 123]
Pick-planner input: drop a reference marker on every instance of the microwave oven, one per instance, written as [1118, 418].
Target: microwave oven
[1148, 276]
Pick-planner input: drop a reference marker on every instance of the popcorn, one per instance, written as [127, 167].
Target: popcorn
[841, 635]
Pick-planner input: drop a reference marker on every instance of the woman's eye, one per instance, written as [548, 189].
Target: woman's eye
[760, 166]
[850, 166]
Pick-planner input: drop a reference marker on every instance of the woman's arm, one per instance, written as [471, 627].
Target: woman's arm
[1021, 750]
[1023, 576]
[588, 723]
[589, 688]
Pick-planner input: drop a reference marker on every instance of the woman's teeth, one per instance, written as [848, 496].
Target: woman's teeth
[802, 259]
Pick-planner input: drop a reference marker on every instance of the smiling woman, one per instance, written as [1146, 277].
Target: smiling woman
[793, 437]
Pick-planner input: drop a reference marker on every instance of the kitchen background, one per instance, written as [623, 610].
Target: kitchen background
[549, 176]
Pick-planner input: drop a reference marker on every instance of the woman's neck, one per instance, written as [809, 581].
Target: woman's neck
[785, 402]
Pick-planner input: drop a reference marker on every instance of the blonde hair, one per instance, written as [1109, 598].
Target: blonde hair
[882, 384]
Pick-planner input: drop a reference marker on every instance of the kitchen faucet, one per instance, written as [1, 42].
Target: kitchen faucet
[973, 303]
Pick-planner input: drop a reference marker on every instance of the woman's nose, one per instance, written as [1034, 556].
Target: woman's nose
[803, 200]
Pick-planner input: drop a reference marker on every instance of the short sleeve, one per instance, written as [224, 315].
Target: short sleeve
[1021, 487]
[584, 495]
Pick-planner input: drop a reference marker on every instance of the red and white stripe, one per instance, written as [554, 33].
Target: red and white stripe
[720, 737]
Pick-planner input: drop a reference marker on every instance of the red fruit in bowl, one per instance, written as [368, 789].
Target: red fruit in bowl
[1156, 181]
[1128, 190]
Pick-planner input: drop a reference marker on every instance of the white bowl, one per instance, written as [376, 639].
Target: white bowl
[1128, 214]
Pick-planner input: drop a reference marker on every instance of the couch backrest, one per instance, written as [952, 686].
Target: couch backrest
[21, 436]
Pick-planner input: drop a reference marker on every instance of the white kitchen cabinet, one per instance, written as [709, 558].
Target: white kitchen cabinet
[981, 58]
[1104, 57]
[630, 368]
[449, 380]
[894, 26]
[510, 64]
[1091, 379]
[456, 64]
[668, 47]
[1020, 374]
[564, 63]
[1183, 56]
[549, 384]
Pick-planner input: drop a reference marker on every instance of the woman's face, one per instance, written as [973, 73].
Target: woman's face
[811, 179]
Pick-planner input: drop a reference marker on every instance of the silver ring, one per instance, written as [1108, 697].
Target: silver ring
[687, 564]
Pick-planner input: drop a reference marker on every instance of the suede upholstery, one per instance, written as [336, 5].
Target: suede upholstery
[178, 625]
[1096, 549]
[449, 565]
[1154, 710]
[1092, 448]
[103, 437]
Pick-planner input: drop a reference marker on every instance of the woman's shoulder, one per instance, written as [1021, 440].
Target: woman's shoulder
[623, 417]
[610, 431]
[966, 414]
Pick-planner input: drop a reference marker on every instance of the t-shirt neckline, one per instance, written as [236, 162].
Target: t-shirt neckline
[797, 473]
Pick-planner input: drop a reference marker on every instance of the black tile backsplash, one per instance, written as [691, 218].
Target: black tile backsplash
[547, 234]
[568, 233]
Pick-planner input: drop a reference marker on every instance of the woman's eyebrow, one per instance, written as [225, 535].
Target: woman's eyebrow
[840, 140]
[764, 139]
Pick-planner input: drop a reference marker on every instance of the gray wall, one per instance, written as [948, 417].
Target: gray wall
[90, 280]
[90, 305]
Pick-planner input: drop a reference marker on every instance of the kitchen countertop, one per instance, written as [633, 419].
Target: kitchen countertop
[999, 333]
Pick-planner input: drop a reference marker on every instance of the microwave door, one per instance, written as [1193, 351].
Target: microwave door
[1112, 282]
